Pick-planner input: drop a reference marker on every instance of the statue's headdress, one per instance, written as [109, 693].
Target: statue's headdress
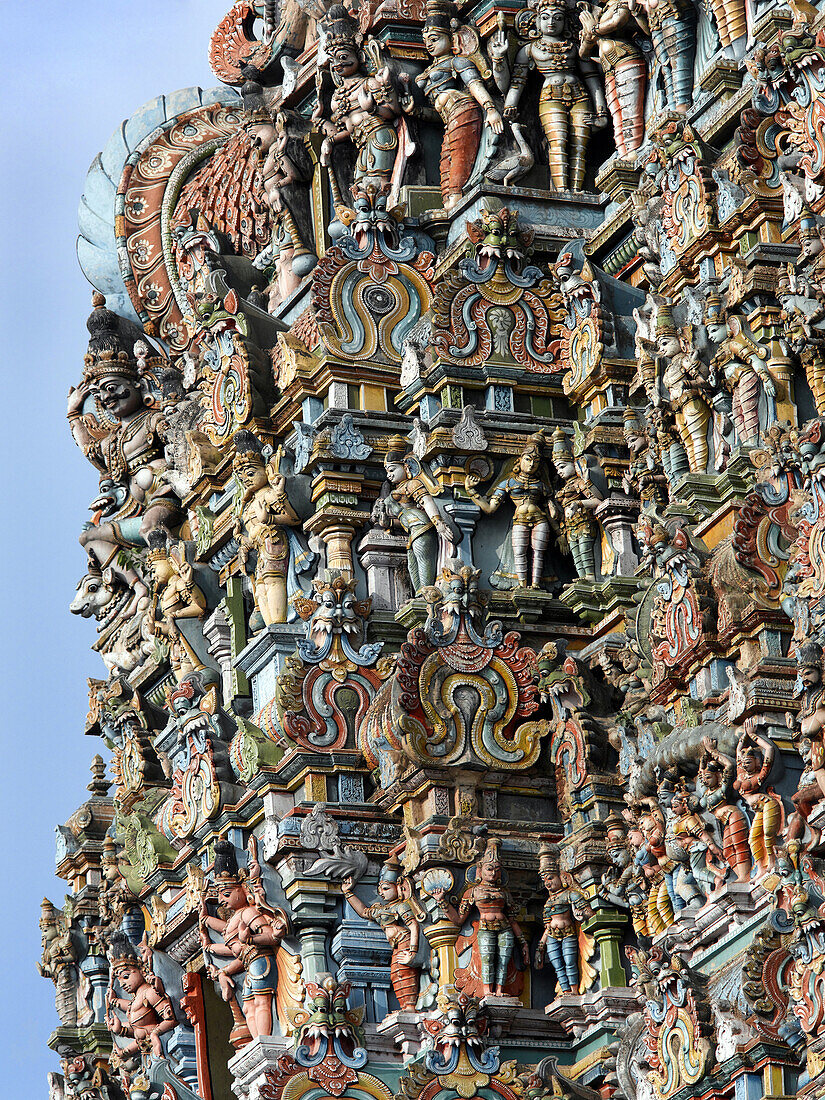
[442, 14]
[108, 350]
[665, 325]
[809, 655]
[714, 311]
[398, 449]
[158, 542]
[549, 859]
[340, 29]
[534, 444]
[225, 868]
[632, 424]
[561, 444]
[492, 852]
[247, 447]
[122, 951]
[391, 871]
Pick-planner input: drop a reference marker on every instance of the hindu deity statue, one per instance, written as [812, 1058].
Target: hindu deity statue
[644, 478]
[114, 896]
[754, 760]
[808, 726]
[410, 505]
[716, 776]
[175, 596]
[147, 1008]
[661, 426]
[564, 908]
[364, 106]
[567, 110]
[685, 381]
[707, 863]
[606, 31]
[59, 962]
[125, 441]
[399, 917]
[496, 930]
[284, 167]
[741, 366]
[263, 518]
[251, 934]
[672, 25]
[526, 482]
[454, 85]
[578, 498]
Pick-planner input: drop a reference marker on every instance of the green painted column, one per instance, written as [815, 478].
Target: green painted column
[607, 928]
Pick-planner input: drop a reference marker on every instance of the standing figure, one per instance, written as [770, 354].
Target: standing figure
[498, 931]
[399, 920]
[742, 363]
[59, 963]
[565, 107]
[149, 1011]
[685, 381]
[411, 505]
[528, 486]
[644, 478]
[454, 84]
[708, 866]
[251, 936]
[673, 32]
[716, 775]
[174, 596]
[809, 730]
[564, 907]
[364, 107]
[578, 498]
[607, 30]
[126, 444]
[263, 516]
[754, 759]
[730, 18]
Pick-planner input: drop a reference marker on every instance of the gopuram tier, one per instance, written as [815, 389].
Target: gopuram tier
[455, 395]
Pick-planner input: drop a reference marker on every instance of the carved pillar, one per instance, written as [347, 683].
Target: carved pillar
[618, 515]
[382, 556]
[465, 515]
[442, 935]
[607, 928]
[192, 1004]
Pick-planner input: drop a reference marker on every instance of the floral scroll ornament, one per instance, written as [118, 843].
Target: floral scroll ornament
[497, 300]
[371, 288]
[449, 657]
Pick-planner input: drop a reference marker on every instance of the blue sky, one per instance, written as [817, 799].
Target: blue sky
[71, 72]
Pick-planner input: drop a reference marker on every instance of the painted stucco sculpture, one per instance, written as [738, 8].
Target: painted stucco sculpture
[455, 560]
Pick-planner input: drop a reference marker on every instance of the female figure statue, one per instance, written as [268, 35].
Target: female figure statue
[742, 363]
[754, 759]
[605, 30]
[411, 505]
[263, 516]
[685, 382]
[565, 107]
[578, 498]
[528, 486]
[363, 108]
[454, 84]
[565, 905]
[399, 920]
[716, 774]
[498, 931]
